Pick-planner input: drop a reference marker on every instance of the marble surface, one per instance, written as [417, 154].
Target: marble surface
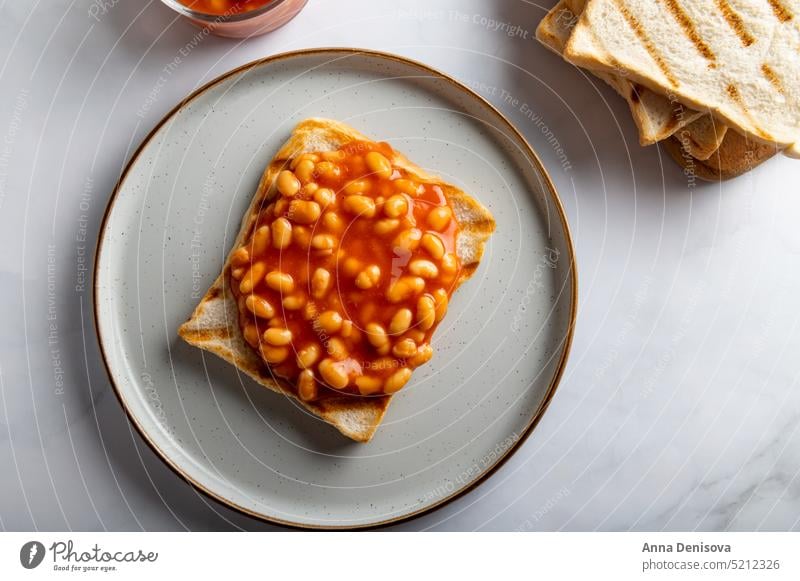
[678, 409]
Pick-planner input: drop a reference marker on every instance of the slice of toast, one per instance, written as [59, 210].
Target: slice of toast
[656, 117]
[735, 156]
[737, 61]
[214, 324]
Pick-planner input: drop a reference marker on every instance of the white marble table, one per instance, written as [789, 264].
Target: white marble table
[678, 409]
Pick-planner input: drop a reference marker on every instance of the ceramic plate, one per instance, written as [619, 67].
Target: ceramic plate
[173, 218]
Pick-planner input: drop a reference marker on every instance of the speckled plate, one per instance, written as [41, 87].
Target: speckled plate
[172, 219]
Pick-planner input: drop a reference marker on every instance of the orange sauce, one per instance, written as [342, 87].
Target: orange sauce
[224, 7]
[390, 271]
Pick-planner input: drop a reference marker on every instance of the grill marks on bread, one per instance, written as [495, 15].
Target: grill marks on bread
[772, 77]
[688, 27]
[685, 22]
[735, 22]
[781, 12]
[651, 49]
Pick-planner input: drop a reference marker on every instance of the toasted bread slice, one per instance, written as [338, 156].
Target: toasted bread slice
[214, 324]
[737, 61]
[656, 117]
[735, 156]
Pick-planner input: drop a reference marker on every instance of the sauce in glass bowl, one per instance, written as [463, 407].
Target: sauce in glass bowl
[237, 18]
[223, 7]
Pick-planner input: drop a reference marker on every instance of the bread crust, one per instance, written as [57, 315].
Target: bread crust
[214, 323]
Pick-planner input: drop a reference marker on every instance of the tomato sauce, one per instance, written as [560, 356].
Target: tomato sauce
[224, 7]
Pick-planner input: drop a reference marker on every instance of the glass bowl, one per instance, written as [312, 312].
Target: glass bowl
[251, 23]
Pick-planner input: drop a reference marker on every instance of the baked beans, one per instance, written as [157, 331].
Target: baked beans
[344, 277]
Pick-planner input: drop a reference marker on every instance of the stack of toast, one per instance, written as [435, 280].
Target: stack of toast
[716, 82]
